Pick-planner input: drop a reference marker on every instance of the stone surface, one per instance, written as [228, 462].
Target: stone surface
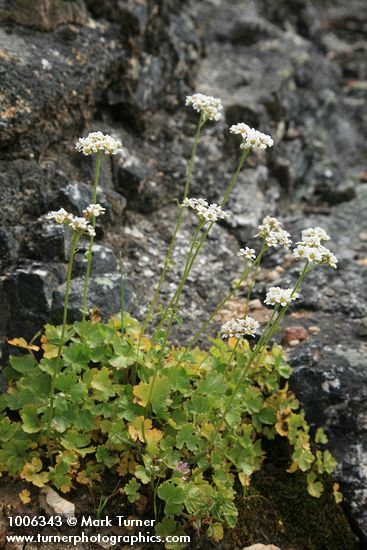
[294, 333]
[296, 70]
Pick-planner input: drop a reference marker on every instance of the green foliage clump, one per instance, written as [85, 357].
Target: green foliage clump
[171, 440]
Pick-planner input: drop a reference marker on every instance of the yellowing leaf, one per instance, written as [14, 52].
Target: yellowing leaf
[22, 343]
[281, 428]
[49, 350]
[244, 479]
[25, 496]
[32, 472]
[139, 427]
[127, 464]
[153, 436]
[142, 429]
[207, 430]
[292, 468]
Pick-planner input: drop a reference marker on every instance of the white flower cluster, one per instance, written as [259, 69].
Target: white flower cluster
[271, 231]
[79, 225]
[96, 142]
[282, 296]
[311, 249]
[93, 210]
[240, 327]
[210, 107]
[248, 253]
[60, 216]
[208, 212]
[251, 138]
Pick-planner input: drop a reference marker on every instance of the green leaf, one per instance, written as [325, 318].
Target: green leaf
[211, 385]
[74, 441]
[253, 401]
[215, 531]
[122, 361]
[304, 459]
[77, 355]
[102, 384]
[31, 421]
[321, 436]
[14, 455]
[131, 490]
[267, 415]
[105, 457]
[23, 364]
[186, 436]
[314, 488]
[200, 403]
[173, 496]
[159, 393]
[142, 474]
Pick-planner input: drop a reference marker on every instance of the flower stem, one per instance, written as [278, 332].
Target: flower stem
[230, 360]
[244, 276]
[173, 312]
[153, 304]
[270, 328]
[76, 237]
[91, 240]
[204, 237]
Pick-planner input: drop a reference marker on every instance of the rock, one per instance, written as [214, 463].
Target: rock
[331, 385]
[104, 293]
[76, 196]
[44, 15]
[103, 259]
[27, 293]
[294, 334]
[52, 503]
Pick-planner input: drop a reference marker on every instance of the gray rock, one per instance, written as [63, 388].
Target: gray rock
[104, 293]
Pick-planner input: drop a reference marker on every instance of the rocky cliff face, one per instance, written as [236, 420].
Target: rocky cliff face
[294, 69]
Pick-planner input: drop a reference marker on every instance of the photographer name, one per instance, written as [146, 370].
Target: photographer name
[120, 521]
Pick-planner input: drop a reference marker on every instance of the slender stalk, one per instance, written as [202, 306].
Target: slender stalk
[244, 154]
[244, 276]
[76, 237]
[177, 228]
[267, 334]
[91, 240]
[173, 311]
[122, 295]
[230, 360]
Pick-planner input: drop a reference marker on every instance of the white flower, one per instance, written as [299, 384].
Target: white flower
[94, 210]
[311, 249]
[271, 231]
[251, 138]
[210, 107]
[208, 212]
[82, 225]
[282, 296]
[90, 231]
[96, 142]
[247, 253]
[315, 234]
[60, 216]
[240, 327]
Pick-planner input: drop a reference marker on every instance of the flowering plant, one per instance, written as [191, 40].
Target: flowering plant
[181, 426]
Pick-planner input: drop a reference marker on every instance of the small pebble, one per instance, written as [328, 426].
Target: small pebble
[294, 334]
[313, 329]
[293, 343]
